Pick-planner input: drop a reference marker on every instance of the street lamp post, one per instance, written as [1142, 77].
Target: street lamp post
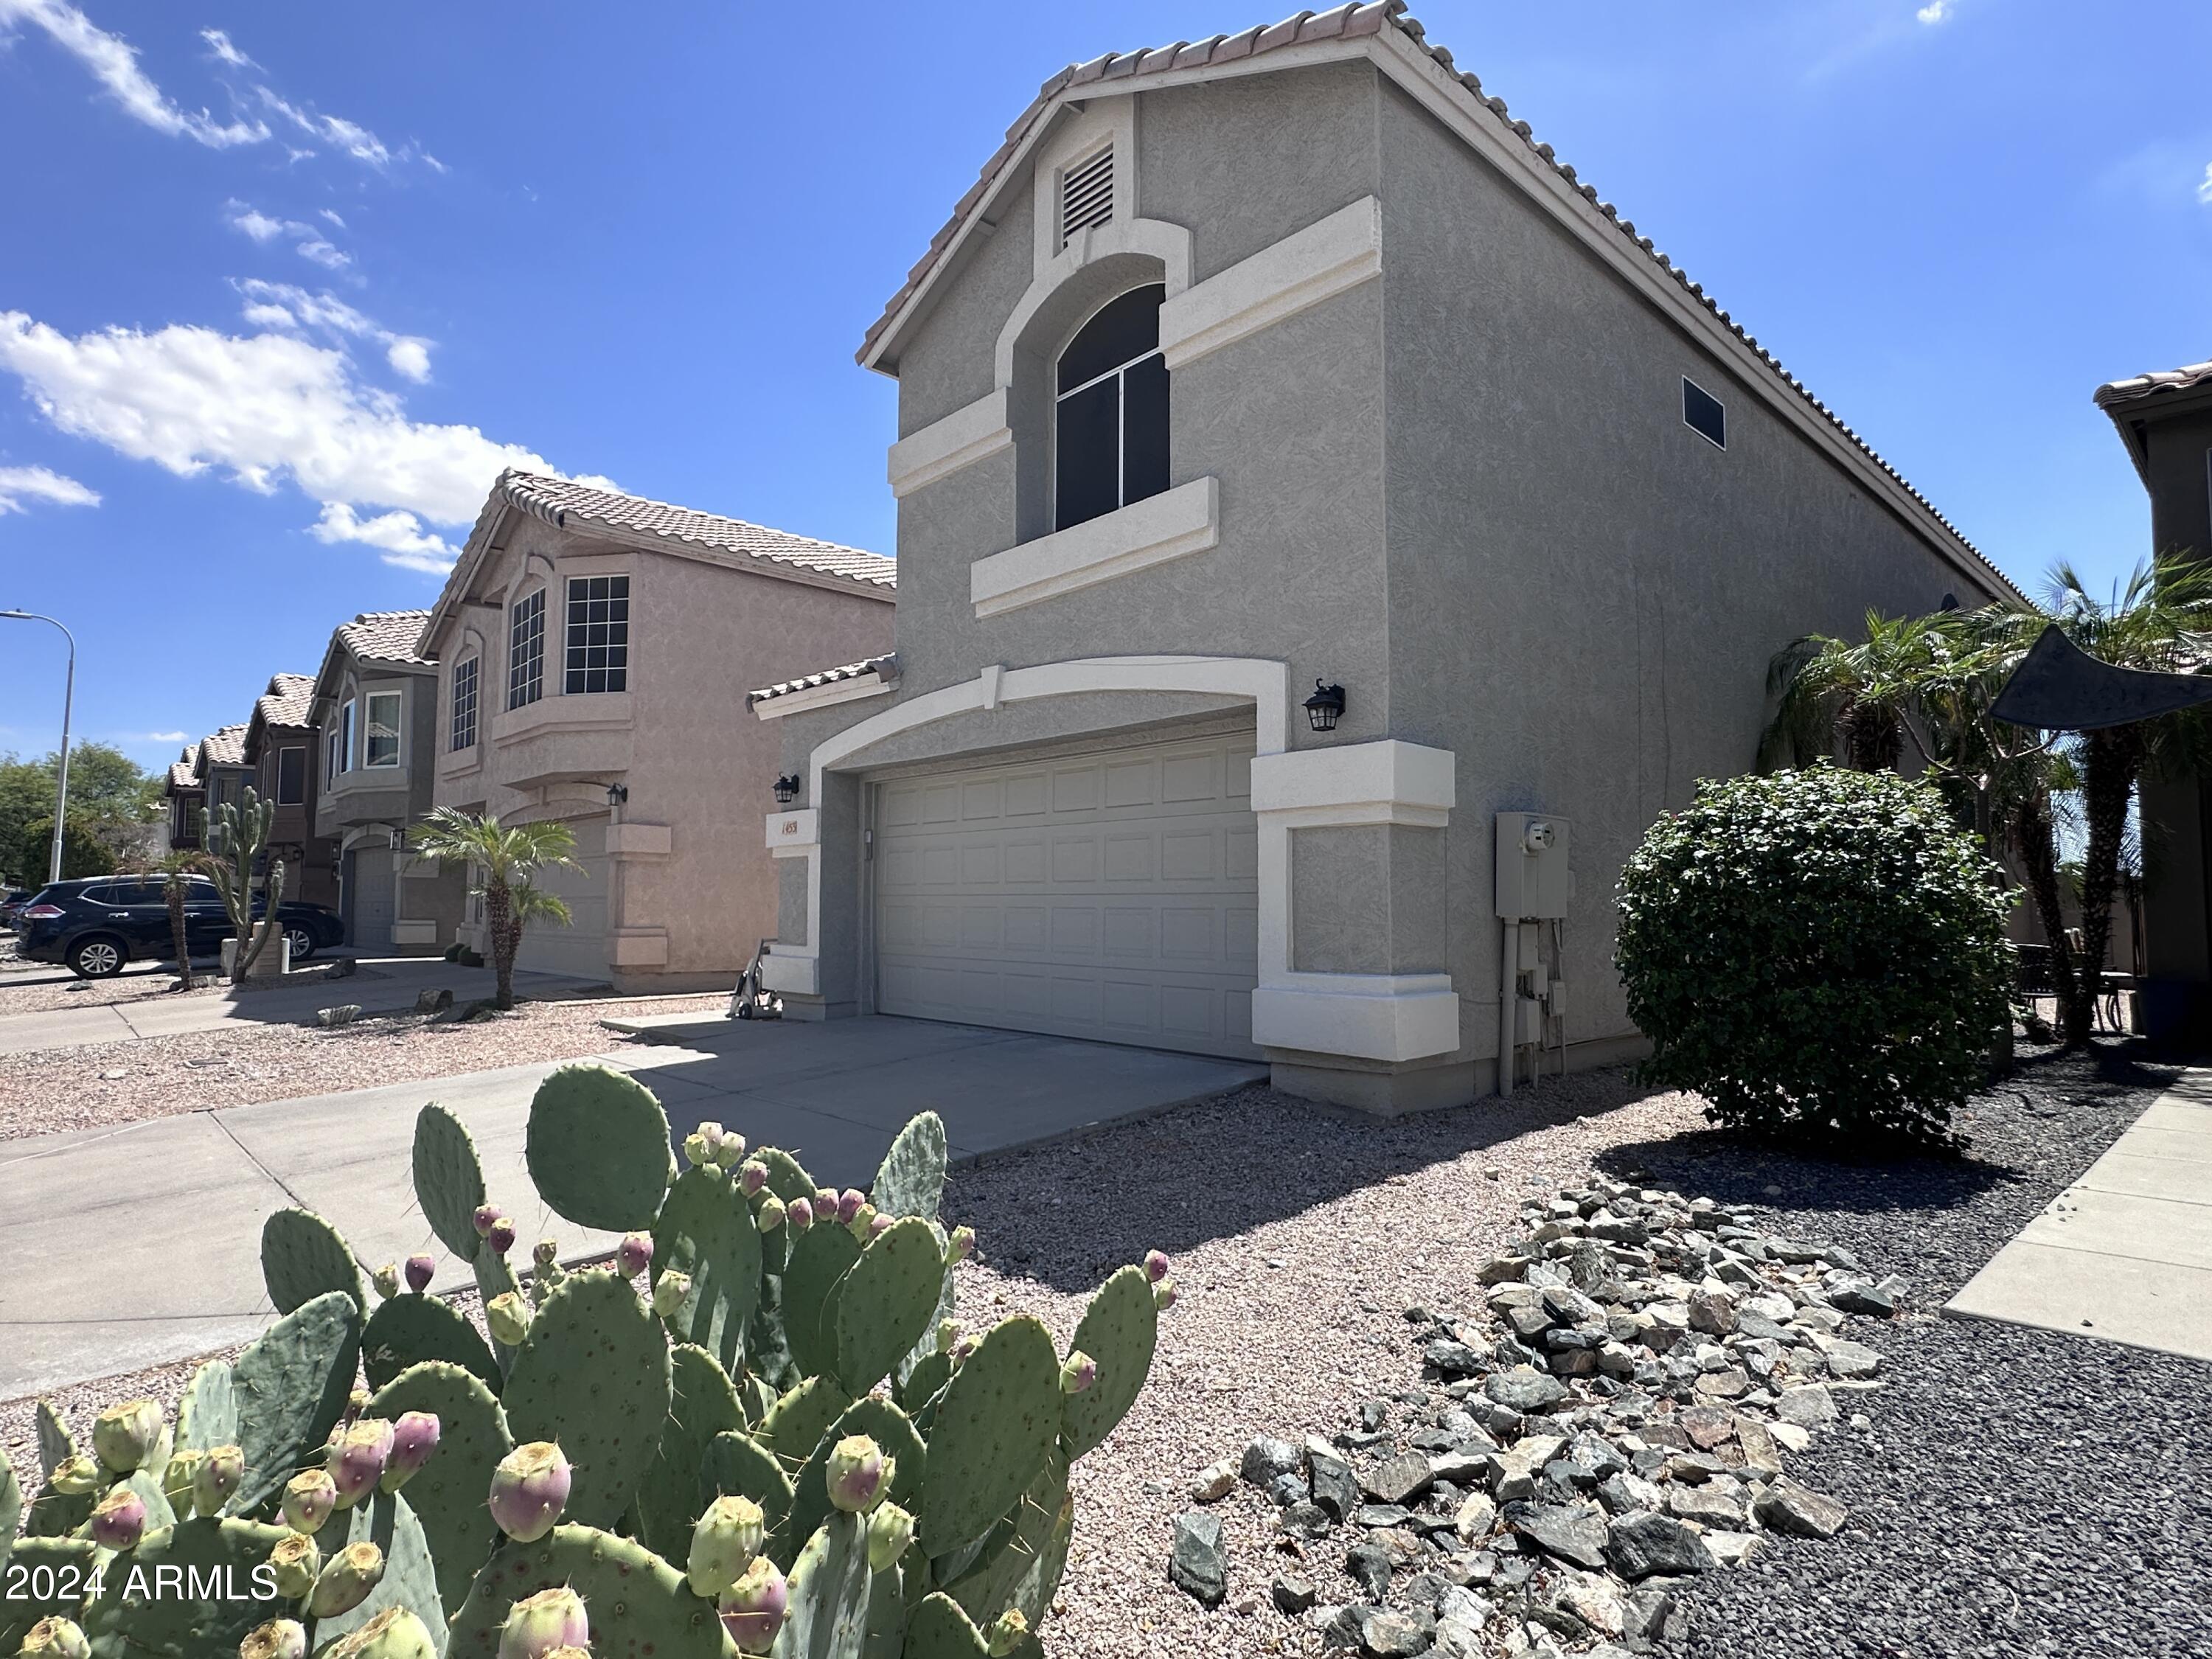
[61, 787]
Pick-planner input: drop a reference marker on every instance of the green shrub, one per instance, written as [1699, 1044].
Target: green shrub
[1817, 953]
[83, 853]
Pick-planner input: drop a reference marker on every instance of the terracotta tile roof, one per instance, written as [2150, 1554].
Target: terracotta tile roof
[386, 636]
[225, 746]
[884, 667]
[573, 506]
[184, 773]
[2187, 378]
[1347, 22]
[287, 701]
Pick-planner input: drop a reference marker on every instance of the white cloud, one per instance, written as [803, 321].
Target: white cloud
[322, 254]
[255, 224]
[114, 65]
[2204, 186]
[281, 305]
[20, 484]
[325, 213]
[409, 356]
[356, 140]
[219, 44]
[266, 410]
[1935, 11]
[308, 243]
[153, 737]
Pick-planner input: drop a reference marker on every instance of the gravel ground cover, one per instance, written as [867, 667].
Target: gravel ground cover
[100, 1084]
[124, 989]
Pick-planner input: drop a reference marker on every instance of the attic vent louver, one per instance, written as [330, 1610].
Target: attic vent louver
[1086, 195]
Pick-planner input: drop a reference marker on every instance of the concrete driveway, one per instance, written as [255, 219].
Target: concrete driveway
[126, 1248]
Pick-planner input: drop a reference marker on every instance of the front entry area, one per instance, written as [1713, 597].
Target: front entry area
[579, 949]
[1111, 895]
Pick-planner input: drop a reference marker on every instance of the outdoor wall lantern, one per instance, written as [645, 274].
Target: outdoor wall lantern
[1325, 706]
[617, 794]
[786, 788]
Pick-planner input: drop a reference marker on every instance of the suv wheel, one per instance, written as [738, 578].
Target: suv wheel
[302, 942]
[97, 957]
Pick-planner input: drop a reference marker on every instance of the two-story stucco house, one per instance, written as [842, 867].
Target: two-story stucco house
[374, 704]
[186, 801]
[283, 749]
[594, 650]
[2165, 420]
[1298, 468]
[219, 775]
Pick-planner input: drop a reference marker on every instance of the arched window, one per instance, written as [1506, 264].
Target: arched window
[1110, 426]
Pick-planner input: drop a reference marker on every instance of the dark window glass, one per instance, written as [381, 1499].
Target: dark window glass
[465, 704]
[291, 777]
[1110, 432]
[380, 746]
[525, 651]
[1703, 414]
[598, 644]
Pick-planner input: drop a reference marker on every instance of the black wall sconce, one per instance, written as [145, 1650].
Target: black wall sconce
[786, 788]
[1325, 706]
[617, 794]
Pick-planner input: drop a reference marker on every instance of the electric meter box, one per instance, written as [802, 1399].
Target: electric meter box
[1533, 877]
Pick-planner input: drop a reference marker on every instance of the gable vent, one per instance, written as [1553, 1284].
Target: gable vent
[1086, 195]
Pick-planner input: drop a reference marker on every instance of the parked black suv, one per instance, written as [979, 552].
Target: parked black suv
[96, 924]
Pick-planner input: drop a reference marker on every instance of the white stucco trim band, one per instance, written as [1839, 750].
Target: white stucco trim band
[1326, 259]
[943, 447]
[1154, 239]
[1387, 1017]
[1386, 781]
[821, 696]
[1174, 525]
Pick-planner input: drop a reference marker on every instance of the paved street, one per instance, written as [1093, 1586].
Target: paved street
[126, 1248]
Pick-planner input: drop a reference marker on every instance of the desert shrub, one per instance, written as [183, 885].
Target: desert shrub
[83, 853]
[1819, 953]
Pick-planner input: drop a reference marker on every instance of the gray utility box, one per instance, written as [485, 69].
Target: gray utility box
[1533, 880]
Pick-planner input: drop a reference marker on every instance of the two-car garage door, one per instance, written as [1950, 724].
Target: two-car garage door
[581, 948]
[1108, 895]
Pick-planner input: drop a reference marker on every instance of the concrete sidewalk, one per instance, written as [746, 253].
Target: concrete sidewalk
[398, 980]
[126, 1248]
[2125, 1253]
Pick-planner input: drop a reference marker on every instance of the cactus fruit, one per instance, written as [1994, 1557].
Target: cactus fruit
[634, 1255]
[394, 1633]
[217, 1476]
[848, 1205]
[485, 1218]
[502, 1235]
[859, 1474]
[309, 1498]
[771, 1214]
[799, 1214]
[960, 1246]
[545, 1253]
[540, 1625]
[357, 1460]
[669, 1291]
[118, 1520]
[1006, 1633]
[825, 1203]
[420, 1269]
[56, 1639]
[125, 1437]
[891, 1529]
[280, 1639]
[73, 1477]
[753, 1608]
[387, 1280]
[1077, 1373]
[1156, 1265]
[509, 1317]
[414, 1439]
[879, 1224]
[294, 1561]
[346, 1580]
[731, 1149]
[723, 1545]
[752, 1176]
[862, 1225]
[529, 1490]
[176, 1485]
[1164, 1295]
[699, 1148]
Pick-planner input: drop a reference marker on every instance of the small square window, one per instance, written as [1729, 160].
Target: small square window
[1704, 414]
[596, 649]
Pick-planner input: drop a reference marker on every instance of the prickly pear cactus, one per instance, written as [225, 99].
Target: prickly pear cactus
[738, 1465]
[912, 1179]
[706, 1230]
[302, 1256]
[819, 1259]
[447, 1494]
[57, 1445]
[639, 1606]
[1120, 1330]
[592, 1377]
[794, 1426]
[411, 1330]
[11, 1510]
[449, 1180]
[598, 1148]
[705, 1405]
[207, 1416]
[292, 1384]
[829, 1587]
[940, 1630]
[883, 1423]
[998, 1420]
[388, 1521]
[133, 1617]
[885, 1302]
[48, 1578]
[1018, 1552]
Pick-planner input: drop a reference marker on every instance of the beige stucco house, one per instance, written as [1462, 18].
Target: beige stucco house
[1330, 535]
[374, 705]
[283, 748]
[593, 651]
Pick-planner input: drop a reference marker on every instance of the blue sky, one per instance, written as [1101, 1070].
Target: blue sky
[282, 287]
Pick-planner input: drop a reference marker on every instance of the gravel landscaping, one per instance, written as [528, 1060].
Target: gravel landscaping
[98, 1085]
[58, 989]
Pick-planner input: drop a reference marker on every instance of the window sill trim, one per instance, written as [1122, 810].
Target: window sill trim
[1171, 526]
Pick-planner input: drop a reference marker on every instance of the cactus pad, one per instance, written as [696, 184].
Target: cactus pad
[640, 1606]
[302, 1255]
[928, 1376]
[292, 1383]
[1017, 1552]
[996, 1424]
[830, 1589]
[57, 1445]
[386, 1520]
[494, 1276]
[820, 1257]
[883, 1423]
[447, 1494]
[884, 1305]
[706, 1230]
[736, 1464]
[11, 1508]
[592, 1377]
[136, 1616]
[598, 1148]
[912, 1179]
[70, 1563]
[794, 1426]
[206, 1415]
[1120, 1330]
[449, 1180]
[408, 1330]
[940, 1630]
[703, 1406]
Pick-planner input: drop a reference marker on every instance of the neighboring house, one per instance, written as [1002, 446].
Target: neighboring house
[1280, 358]
[186, 801]
[282, 748]
[374, 705]
[220, 772]
[2166, 422]
[594, 650]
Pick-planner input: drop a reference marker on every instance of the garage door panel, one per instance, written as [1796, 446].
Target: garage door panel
[1113, 897]
[581, 948]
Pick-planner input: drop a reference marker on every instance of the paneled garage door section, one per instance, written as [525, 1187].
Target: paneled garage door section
[1109, 896]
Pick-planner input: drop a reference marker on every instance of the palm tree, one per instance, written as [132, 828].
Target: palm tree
[177, 867]
[1859, 694]
[504, 857]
